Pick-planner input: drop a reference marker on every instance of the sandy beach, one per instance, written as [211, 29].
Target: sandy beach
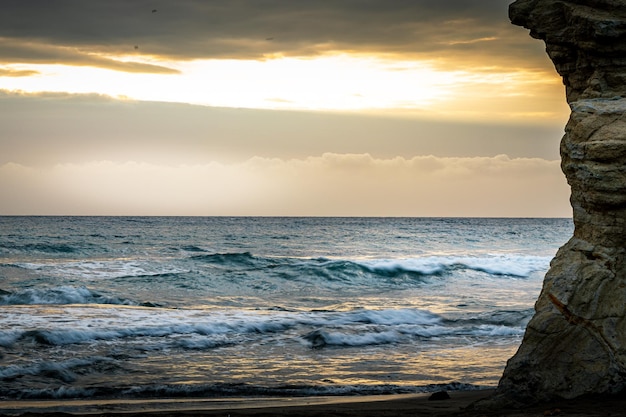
[414, 405]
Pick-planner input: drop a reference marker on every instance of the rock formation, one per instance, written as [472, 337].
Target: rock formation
[576, 342]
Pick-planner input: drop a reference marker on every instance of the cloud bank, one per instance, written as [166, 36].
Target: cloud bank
[77, 32]
[48, 128]
[347, 184]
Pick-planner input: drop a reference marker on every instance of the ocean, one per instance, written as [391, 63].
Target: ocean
[213, 307]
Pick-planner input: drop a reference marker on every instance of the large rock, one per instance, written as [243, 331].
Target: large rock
[576, 342]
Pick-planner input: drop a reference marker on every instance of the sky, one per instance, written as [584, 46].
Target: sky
[277, 108]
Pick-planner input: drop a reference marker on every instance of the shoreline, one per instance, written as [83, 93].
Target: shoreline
[374, 405]
[397, 405]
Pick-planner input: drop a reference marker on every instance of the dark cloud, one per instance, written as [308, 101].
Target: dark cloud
[18, 51]
[73, 31]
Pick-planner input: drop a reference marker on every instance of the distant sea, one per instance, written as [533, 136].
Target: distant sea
[144, 307]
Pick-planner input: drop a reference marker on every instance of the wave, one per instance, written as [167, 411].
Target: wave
[360, 337]
[193, 248]
[62, 371]
[104, 269]
[395, 271]
[245, 274]
[383, 317]
[217, 329]
[243, 259]
[157, 328]
[225, 390]
[47, 248]
[59, 295]
[318, 339]
[249, 390]
[503, 265]
[511, 318]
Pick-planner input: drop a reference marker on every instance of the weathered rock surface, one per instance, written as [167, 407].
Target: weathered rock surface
[576, 342]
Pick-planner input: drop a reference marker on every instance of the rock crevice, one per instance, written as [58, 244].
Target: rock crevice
[575, 344]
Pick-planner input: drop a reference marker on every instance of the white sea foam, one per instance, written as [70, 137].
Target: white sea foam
[321, 338]
[490, 330]
[104, 269]
[59, 295]
[394, 317]
[59, 370]
[198, 329]
[512, 265]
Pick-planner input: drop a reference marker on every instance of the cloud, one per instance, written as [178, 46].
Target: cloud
[9, 72]
[468, 41]
[50, 128]
[17, 51]
[328, 185]
[201, 29]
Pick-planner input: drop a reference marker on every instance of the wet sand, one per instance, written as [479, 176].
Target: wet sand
[383, 406]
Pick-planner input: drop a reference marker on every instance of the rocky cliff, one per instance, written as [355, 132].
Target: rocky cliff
[576, 342]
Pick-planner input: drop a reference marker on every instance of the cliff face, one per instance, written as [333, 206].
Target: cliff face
[576, 342]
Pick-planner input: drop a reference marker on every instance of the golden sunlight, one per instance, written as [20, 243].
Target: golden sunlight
[330, 83]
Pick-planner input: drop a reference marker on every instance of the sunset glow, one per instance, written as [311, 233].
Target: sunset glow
[331, 83]
[203, 107]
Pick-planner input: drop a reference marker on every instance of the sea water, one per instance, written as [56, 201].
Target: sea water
[143, 307]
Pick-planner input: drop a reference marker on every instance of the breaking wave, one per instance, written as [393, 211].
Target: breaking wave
[59, 295]
[199, 329]
[519, 266]
[103, 269]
